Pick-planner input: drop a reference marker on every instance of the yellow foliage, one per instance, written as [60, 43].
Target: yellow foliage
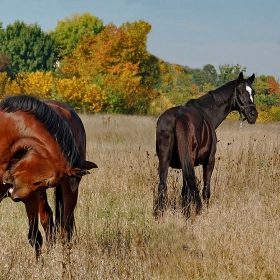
[233, 116]
[264, 117]
[3, 78]
[95, 98]
[159, 105]
[37, 84]
[3, 81]
[13, 87]
[207, 87]
[77, 90]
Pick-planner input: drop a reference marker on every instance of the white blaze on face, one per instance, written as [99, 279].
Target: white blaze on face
[250, 93]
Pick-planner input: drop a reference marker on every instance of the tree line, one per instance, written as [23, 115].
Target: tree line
[105, 68]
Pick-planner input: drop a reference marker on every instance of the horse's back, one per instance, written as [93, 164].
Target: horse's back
[195, 125]
[167, 121]
[73, 120]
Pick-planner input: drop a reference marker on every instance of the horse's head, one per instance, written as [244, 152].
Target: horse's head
[244, 98]
[35, 172]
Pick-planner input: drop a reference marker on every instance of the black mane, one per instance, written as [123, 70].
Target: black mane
[218, 96]
[53, 123]
[222, 94]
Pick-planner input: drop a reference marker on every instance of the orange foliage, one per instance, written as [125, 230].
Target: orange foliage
[106, 60]
[273, 85]
[100, 53]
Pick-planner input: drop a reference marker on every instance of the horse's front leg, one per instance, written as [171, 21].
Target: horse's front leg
[207, 173]
[69, 203]
[46, 216]
[34, 235]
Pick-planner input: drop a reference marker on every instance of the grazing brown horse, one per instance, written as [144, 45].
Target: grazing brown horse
[42, 145]
[186, 137]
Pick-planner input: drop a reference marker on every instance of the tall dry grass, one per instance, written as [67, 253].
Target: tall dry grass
[117, 236]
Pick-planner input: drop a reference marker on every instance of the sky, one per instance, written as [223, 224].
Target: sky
[191, 33]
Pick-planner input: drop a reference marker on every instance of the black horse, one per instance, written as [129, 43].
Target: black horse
[186, 137]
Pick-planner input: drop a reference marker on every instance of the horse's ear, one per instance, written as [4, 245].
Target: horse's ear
[79, 172]
[88, 165]
[251, 79]
[240, 78]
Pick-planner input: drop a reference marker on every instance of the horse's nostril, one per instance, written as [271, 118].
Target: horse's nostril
[17, 199]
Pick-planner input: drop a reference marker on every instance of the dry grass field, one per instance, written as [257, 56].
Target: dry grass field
[116, 235]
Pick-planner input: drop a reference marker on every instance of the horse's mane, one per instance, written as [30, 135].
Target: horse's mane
[52, 122]
[222, 94]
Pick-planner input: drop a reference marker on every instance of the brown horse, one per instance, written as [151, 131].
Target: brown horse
[186, 137]
[42, 145]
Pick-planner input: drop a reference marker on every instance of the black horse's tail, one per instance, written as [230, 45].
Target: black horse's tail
[190, 194]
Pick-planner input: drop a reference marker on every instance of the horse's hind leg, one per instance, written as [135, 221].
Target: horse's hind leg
[46, 216]
[207, 173]
[164, 156]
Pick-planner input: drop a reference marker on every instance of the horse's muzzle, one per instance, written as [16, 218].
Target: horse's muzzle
[251, 114]
[13, 195]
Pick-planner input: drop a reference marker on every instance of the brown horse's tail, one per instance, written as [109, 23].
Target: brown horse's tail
[190, 194]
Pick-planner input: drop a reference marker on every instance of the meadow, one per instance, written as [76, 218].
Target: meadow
[117, 237]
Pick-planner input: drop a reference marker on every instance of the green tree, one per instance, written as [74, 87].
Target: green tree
[68, 32]
[229, 72]
[28, 48]
[207, 75]
[210, 74]
[175, 83]
[261, 85]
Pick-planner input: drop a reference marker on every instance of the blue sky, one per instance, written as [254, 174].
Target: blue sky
[188, 32]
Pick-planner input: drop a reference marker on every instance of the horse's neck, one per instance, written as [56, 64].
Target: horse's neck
[216, 113]
[218, 116]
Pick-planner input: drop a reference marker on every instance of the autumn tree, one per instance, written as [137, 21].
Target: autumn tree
[29, 49]
[107, 60]
[149, 68]
[68, 32]
[273, 85]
